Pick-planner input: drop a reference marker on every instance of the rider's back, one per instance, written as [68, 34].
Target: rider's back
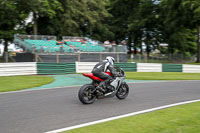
[101, 66]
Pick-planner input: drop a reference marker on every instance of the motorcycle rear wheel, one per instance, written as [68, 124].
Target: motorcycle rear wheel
[85, 95]
[123, 91]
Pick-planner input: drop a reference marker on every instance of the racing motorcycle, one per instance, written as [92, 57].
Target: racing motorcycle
[88, 93]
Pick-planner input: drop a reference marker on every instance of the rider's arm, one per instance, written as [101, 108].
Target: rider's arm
[111, 69]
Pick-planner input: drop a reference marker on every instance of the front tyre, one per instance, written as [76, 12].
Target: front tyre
[123, 91]
[85, 95]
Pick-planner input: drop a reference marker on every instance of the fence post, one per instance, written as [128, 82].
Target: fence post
[57, 57]
[36, 57]
[140, 57]
[79, 57]
[100, 56]
[118, 57]
[6, 56]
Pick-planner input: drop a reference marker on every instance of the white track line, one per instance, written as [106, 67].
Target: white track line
[121, 116]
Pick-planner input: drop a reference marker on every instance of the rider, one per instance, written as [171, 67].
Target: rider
[100, 69]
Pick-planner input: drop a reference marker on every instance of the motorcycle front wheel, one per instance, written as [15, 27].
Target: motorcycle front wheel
[85, 94]
[123, 91]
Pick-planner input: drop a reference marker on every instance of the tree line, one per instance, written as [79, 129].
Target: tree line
[173, 22]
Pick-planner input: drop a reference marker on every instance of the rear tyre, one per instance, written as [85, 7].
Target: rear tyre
[85, 95]
[123, 91]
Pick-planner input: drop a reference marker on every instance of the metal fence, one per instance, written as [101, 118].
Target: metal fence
[161, 58]
[79, 39]
[81, 57]
[35, 37]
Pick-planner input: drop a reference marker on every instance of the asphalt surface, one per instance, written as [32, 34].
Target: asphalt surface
[45, 110]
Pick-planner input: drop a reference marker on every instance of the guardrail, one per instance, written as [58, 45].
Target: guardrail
[82, 67]
[172, 67]
[55, 68]
[11, 69]
[191, 68]
[149, 67]
[30, 68]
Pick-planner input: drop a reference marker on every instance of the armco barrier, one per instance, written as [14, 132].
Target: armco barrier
[82, 67]
[191, 68]
[55, 68]
[149, 67]
[128, 67]
[172, 67]
[29, 68]
[23, 68]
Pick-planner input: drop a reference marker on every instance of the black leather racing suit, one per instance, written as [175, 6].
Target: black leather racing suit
[100, 69]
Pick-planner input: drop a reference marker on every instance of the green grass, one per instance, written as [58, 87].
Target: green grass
[162, 76]
[150, 61]
[180, 119]
[14, 83]
[194, 63]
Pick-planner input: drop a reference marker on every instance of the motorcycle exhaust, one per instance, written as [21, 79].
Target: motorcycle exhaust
[109, 93]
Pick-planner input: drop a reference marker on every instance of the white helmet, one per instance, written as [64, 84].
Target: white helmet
[110, 59]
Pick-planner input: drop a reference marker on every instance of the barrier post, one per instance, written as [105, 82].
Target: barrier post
[36, 57]
[117, 57]
[57, 57]
[6, 57]
[100, 57]
[79, 57]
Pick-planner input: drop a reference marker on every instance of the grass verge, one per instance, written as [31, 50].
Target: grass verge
[194, 63]
[162, 76]
[180, 119]
[14, 83]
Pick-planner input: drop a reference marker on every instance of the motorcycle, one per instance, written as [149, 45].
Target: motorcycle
[88, 93]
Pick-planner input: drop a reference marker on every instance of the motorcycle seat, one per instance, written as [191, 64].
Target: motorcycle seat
[91, 76]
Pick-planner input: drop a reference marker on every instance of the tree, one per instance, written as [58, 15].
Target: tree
[11, 20]
[122, 12]
[192, 11]
[40, 8]
[144, 24]
[78, 18]
[180, 19]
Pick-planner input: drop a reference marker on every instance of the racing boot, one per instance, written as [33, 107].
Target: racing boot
[101, 88]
